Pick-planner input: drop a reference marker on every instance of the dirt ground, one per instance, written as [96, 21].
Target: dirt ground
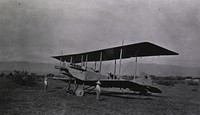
[21, 100]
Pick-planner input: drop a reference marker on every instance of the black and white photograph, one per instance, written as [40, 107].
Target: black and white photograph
[99, 57]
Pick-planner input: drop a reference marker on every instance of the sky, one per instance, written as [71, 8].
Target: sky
[35, 30]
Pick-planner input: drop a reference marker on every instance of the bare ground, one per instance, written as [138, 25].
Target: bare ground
[18, 100]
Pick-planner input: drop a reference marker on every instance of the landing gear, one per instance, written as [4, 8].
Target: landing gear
[75, 89]
[71, 87]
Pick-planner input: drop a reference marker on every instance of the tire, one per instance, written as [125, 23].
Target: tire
[79, 92]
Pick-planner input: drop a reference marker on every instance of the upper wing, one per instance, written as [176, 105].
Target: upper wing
[132, 50]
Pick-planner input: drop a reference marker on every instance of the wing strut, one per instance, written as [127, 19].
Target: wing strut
[86, 60]
[136, 62]
[60, 62]
[120, 63]
[95, 65]
[115, 68]
[82, 61]
[71, 59]
[135, 68]
[100, 64]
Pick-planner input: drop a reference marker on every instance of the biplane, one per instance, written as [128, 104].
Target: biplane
[81, 78]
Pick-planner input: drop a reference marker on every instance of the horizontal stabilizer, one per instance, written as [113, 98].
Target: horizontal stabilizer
[153, 89]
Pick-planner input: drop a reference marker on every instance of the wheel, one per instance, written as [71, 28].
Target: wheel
[79, 92]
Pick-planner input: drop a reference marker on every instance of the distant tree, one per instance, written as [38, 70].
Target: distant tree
[23, 77]
[188, 77]
[50, 75]
[9, 76]
[179, 78]
[153, 77]
[2, 75]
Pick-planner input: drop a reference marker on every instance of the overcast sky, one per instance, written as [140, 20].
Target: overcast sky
[34, 30]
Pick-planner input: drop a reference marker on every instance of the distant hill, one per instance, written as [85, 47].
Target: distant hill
[165, 70]
[128, 69]
[40, 68]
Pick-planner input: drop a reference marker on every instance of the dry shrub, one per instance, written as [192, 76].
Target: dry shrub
[23, 78]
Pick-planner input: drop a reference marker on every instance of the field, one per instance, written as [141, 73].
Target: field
[180, 99]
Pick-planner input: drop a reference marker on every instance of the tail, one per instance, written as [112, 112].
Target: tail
[153, 89]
